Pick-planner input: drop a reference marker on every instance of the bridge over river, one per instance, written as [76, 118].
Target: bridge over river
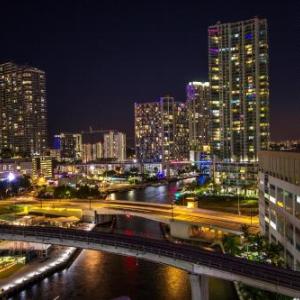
[197, 262]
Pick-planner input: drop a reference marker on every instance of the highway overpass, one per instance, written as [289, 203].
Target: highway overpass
[164, 213]
[196, 261]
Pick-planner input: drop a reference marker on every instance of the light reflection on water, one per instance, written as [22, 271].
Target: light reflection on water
[104, 276]
[157, 194]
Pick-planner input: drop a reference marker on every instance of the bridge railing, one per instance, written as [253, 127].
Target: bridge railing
[186, 253]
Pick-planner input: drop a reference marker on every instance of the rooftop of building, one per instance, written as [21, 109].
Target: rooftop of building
[279, 153]
[219, 23]
[286, 146]
[284, 165]
[24, 67]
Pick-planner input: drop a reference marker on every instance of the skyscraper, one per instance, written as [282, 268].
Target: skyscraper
[239, 80]
[181, 132]
[69, 144]
[161, 130]
[198, 114]
[114, 145]
[168, 127]
[92, 152]
[23, 110]
[148, 135]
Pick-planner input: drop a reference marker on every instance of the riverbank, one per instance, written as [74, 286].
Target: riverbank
[35, 272]
[136, 186]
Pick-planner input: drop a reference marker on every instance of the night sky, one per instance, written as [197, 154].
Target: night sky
[102, 56]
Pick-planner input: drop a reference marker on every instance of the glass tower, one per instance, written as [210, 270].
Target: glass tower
[239, 81]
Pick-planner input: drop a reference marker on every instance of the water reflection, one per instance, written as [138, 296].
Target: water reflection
[174, 281]
[157, 194]
[104, 276]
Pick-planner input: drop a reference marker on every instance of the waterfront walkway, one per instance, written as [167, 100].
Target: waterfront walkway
[35, 268]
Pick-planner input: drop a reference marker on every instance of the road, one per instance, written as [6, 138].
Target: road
[165, 212]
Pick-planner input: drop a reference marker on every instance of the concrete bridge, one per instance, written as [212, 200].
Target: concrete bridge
[180, 218]
[197, 262]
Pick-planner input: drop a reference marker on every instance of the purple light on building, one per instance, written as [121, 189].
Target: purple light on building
[212, 31]
[214, 50]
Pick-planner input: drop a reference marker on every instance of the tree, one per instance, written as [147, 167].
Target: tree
[85, 191]
[245, 230]
[273, 252]
[257, 242]
[134, 170]
[109, 173]
[64, 192]
[194, 168]
[231, 244]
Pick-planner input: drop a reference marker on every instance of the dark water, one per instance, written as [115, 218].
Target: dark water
[104, 276]
[157, 194]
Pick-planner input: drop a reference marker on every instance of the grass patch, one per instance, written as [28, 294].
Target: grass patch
[11, 270]
[247, 206]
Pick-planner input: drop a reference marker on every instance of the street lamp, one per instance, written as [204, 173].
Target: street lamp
[238, 194]
[10, 178]
[172, 208]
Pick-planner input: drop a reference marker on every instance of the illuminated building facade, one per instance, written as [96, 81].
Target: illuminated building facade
[238, 177]
[92, 152]
[42, 166]
[69, 145]
[181, 132]
[23, 110]
[198, 114]
[239, 82]
[161, 131]
[114, 145]
[279, 202]
[148, 133]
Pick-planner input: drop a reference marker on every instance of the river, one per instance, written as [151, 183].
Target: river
[103, 276]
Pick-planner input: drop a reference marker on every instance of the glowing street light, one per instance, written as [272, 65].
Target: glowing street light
[11, 177]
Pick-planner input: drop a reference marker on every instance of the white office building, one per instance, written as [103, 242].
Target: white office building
[114, 146]
[279, 202]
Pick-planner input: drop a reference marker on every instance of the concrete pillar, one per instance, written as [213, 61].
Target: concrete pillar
[199, 287]
[180, 229]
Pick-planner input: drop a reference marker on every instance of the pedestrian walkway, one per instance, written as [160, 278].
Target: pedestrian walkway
[33, 270]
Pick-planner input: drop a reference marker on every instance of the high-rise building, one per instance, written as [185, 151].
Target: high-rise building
[148, 133]
[42, 166]
[181, 132]
[198, 115]
[279, 202]
[98, 150]
[92, 152]
[69, 144]
[161, 131]
[239, 82]
[168, 127]
[23, 110]
[114, 145]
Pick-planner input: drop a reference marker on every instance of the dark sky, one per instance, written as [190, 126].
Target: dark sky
[102, 56]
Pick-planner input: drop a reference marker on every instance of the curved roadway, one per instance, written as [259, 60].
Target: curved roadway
[286, 280]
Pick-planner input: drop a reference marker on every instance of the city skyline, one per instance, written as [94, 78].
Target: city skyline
[151, 149]
[153, 72]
